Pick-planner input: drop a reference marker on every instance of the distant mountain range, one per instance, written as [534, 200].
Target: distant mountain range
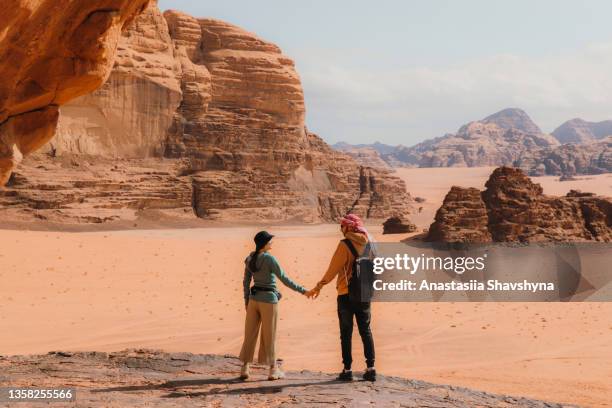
[509, 137]
[581, 131]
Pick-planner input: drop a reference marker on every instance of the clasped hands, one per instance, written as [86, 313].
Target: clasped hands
[313, 293]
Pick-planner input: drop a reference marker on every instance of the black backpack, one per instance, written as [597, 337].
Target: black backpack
[360, 286]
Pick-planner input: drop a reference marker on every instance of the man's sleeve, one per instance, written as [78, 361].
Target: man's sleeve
[336, 264]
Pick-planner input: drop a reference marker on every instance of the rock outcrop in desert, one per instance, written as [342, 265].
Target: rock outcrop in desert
[210, 108]
[149, 378]
[398, 225]
[461, 218]
[51, 51]
[514, 209]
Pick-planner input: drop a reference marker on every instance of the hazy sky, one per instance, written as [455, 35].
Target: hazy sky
[404, 71]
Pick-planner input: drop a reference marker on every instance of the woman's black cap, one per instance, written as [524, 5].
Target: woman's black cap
[262, 238]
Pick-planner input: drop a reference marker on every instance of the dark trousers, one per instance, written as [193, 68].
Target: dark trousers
[361, 311]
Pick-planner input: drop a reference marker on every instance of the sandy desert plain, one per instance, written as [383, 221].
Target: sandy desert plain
[180, 290]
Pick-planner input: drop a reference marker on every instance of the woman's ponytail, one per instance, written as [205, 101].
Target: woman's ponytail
[253, 261]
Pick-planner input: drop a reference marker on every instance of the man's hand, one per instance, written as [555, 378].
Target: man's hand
[312, 293]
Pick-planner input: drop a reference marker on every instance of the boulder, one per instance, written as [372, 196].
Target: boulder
[398, 225]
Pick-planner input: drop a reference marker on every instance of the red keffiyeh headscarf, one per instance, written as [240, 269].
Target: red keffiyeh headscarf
[354, 223]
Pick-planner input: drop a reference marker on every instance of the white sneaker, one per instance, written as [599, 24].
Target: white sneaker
[245, 372]
[275, 374]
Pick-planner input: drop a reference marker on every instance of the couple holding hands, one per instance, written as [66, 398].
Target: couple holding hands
[261, 301]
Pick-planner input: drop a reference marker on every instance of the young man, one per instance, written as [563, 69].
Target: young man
[340, 268]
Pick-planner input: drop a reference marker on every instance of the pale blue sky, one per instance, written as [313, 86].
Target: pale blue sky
[403, 71]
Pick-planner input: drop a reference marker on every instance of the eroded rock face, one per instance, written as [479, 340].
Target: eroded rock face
[461, 218]
[514, 209]
[78, 190]
[226, 110]
[51, 51]
[518, 211]
[130, 114]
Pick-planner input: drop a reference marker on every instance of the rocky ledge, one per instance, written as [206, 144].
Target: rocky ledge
[147, 378]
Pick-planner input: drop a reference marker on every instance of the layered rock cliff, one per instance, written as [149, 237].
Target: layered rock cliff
[51, 51]
[514, 209]
[130, 114]
[216, 109]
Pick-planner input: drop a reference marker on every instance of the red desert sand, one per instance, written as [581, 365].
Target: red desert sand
[180, 290]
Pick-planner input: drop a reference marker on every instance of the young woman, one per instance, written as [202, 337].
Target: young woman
[261, 302]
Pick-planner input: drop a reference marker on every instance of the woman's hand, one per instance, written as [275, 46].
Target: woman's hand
[312, 293]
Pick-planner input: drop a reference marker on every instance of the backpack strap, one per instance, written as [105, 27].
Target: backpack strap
[351, 247]
[349, 244]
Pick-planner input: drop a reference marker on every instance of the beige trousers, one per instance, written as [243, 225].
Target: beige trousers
[264, 315]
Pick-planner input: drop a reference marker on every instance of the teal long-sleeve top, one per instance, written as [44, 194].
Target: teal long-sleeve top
[268, 269]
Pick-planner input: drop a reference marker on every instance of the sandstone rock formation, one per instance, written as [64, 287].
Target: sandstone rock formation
[461, 218]
[130, 114]
[81, 190]
[511, 138]
[569, 159]
[218, 110]
[496, 140]
[148, 378]
[398, 225]
[580, 131]
[514, 209]
[51, 51]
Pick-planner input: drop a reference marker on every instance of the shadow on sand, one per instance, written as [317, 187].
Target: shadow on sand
[262, 389]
